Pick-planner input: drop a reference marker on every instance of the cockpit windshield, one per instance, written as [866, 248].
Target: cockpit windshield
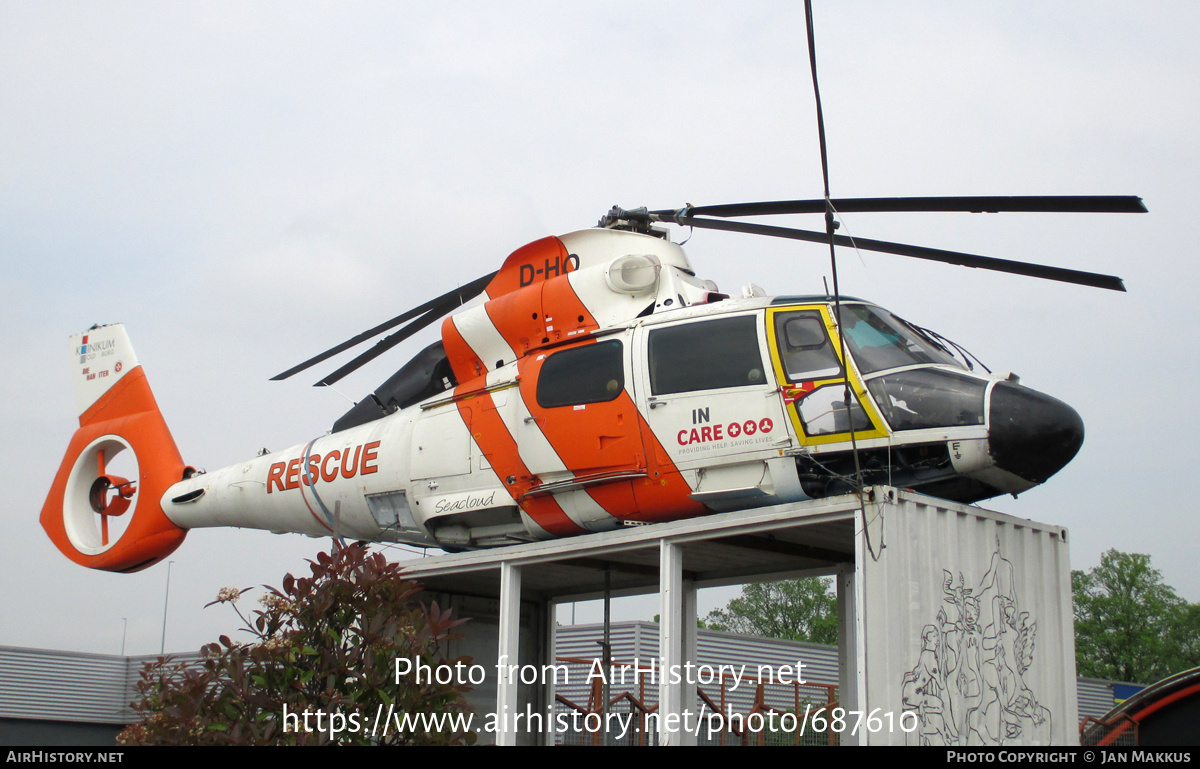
[879, 340]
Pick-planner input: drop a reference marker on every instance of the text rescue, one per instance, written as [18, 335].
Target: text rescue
[287, 475]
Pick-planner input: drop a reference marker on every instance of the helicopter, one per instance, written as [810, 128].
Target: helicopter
[600, 384]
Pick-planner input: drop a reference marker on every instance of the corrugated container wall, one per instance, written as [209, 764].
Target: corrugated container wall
[966, 623]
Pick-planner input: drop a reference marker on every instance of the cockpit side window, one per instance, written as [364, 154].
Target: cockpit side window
[824, 412]
[825, 401]
[705, 355]
[804, 347]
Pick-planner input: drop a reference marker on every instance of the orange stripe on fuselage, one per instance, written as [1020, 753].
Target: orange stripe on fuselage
[590, 439]
[566, 314]
[518, 317]
[663, 495]
[497, 444]
[465, 364]
[531, 310]
[609, 437]
[543, 308]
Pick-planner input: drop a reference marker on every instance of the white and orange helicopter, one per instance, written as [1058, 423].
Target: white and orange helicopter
[599, 384]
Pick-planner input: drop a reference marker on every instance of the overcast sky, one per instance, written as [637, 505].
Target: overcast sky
[244, 184]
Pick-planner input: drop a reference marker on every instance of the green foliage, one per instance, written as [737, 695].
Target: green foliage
[323, 644]
[1129, 625]
[796, 609]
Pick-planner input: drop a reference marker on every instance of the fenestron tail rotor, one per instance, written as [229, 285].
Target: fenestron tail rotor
[104, 508]
[109, 495]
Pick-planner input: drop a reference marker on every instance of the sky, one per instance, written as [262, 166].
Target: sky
[244, 184]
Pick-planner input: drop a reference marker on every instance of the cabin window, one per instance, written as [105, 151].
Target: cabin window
[705, 355]
[594, 373]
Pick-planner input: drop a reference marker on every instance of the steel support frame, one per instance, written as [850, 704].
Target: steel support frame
[834, 536]
[677, 646]
[507, 653]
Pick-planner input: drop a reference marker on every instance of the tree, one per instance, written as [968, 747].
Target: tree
[325, 644]
[1129, 625]
[795, 609]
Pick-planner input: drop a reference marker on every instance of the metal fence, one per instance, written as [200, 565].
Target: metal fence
[728, 710]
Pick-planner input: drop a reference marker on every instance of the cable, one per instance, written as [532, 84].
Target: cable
[830, 226]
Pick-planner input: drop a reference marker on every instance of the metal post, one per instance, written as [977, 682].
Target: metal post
[671, 649]
[607, 644]
[549, 657]
[166, 599]
[852, 662]
[508, 654]
[687, 737]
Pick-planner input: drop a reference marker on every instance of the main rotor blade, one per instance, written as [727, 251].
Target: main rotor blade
[1101, 204]
[446, 302]
[1079, 277]
[385, 344]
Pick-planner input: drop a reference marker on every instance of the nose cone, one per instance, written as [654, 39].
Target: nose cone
[1031, 434]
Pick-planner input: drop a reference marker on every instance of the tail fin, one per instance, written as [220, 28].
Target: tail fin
[117, 412]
